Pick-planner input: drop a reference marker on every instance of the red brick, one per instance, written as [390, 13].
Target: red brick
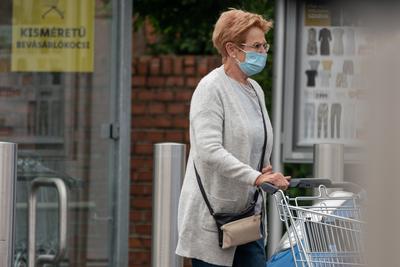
[139, 242]
[143, 149]
[190, 70]
[178, 65]
[181, 122]
[139, 109]
[174, 136]
[174, 81]
[162, 122]
[145, 94]
[135, 216]
[140, 164]
[147, 135]
[143, 229]
[190, 60]
[144, 215]
[156, 108]
[142, 122]
[184, 95]
[202, 68]
[141, 202]
[214, 62]
[165, 95]
[156, 81]
[143, 65]
[166, 65]
[134, 66]
[142, 176]
[192, 81]
[134, 95]
[141, 258]
[135, 243]
[177, 108]
[138, 81]
[155, 66]
[186, 137]
[141, 189]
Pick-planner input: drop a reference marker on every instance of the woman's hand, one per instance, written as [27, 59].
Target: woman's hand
[275, 178]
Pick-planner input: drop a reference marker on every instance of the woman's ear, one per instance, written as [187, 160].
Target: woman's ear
[231, 49]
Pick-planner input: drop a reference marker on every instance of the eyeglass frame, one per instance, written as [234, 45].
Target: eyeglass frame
[266, 46]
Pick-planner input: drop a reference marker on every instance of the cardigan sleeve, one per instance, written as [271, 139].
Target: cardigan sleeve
[206, 121]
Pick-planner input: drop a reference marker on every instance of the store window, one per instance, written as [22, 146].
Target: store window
[57, 103]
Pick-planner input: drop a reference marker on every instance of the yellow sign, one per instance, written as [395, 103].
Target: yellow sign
[317, 15]
[52, 35]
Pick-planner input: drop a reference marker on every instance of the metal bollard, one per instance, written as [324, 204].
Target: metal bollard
[169, 168]
[329, 161]
[8, 178]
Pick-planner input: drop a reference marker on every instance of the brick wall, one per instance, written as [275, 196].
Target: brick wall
[161, 91]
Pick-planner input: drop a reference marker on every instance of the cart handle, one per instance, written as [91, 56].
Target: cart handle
[312, 183]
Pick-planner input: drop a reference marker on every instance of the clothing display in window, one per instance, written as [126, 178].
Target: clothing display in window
[327, 64]
[311, 74]
[336, 112]
[309, 113]
[323, 111]
[312, 42]
[349, 110]
[348, 67]
[324, 77]
[350, 44]
[314, 64]
[338, 47]
[341, 80]
[325, 37]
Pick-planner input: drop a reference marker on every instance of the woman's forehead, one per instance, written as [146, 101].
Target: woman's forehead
[255, 34]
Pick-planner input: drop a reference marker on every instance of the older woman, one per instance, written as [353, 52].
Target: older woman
[229, 129]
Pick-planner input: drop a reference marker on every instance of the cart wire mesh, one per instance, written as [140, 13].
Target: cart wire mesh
[326, 234]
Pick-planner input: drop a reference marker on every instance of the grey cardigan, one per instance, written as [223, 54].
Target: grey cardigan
[221, 145]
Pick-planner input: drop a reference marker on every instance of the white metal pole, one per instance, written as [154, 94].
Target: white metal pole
[274, 224]
[329, 161]
[8, 177]
[169, 168]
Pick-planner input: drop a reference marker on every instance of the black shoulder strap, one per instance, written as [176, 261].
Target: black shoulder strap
[260, 164]
[203, 192]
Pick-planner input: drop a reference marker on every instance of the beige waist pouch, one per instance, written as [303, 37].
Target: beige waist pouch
[241, 231]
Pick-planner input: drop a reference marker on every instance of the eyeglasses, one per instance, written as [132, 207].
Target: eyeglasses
[258, 46]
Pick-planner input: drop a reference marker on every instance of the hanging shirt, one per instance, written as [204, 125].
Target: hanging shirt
[327, 64]
[314, 64]
[311, 74]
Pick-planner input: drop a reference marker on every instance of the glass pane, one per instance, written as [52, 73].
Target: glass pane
[57, 118]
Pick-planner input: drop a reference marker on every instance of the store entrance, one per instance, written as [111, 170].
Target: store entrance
[63, 111]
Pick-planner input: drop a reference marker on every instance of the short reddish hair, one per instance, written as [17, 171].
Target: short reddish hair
[232, 26]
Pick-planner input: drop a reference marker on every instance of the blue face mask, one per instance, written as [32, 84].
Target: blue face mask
[254, 63]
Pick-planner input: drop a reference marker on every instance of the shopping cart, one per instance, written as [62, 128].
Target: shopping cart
[322, 230]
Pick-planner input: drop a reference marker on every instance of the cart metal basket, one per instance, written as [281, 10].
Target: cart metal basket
[326, 229]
